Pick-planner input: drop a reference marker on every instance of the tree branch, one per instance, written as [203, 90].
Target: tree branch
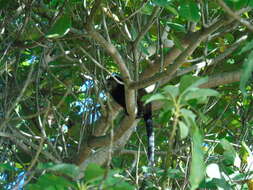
[195, 39]
[221, 79]
[235, 15]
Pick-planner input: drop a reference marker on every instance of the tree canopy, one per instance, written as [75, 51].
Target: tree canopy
[59, 127]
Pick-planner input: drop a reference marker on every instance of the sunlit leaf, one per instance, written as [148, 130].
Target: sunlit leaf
[200, 93]
[188, 115]
[245, 152]
[155, 97]
[176, 26]
[187, 82]
[197, 171]
[184, 130]
[172, 91]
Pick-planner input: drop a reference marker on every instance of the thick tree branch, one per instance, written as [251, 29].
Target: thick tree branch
[101, 156]
[221, 79]
[122, 132]
[196, 39]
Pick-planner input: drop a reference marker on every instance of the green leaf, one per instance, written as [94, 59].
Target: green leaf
[93, 171]
[184, 130]
[221, 184]
[147, 9]
[188, 115]
[168, 105]
[188, 81]
[51, 182]
[200, 93]
[162, 3]
[197, 171]
[240, 177]
[230, 155]
[60, 28]
[34, 186]
[4, 4]
[229, 38]
[177, 27]
[164, 116]
[246, 72]
[31, 32]
[251, 4]
[248, 46]
[172, 91]
[245, 152]
[155, 97]
[171, 9]
[227, 146]
[120, 185]
[7, 167]
[175, 174]
[67, 169]
[237, 4]
[190, 11]
[115, 181]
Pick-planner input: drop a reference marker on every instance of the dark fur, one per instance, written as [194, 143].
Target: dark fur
[117, 91]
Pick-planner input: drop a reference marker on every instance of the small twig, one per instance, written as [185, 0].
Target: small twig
[147, 26]
[27, 82]
[113, 52]
[106, 29]
[94, 9]
[35, 159]
[215, 60]
[94, 60]
[235, 15]
[196, 39]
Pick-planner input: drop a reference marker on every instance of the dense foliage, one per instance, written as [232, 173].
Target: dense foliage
[59, 128]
